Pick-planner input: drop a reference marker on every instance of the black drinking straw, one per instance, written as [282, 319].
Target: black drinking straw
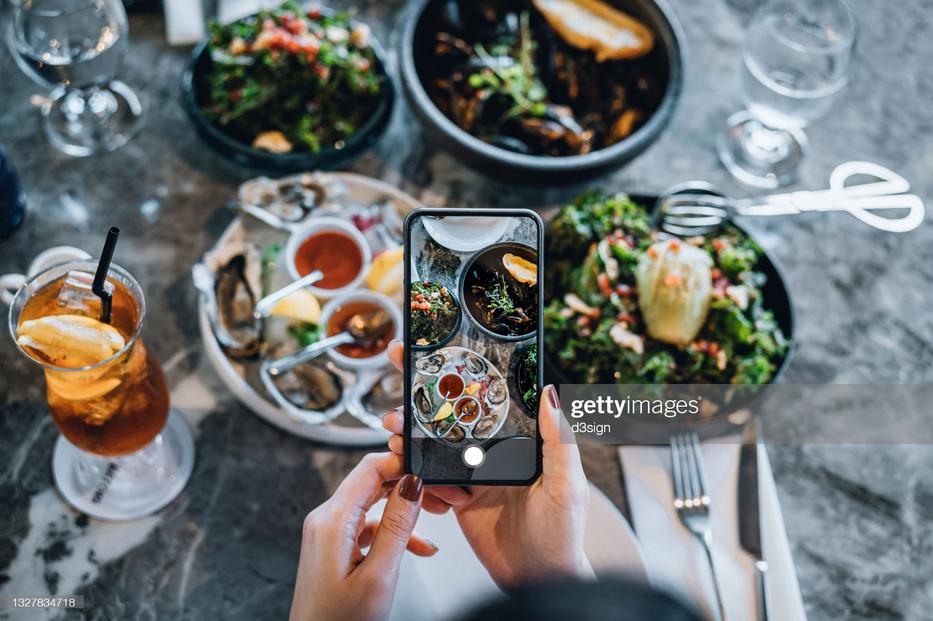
[100, 278]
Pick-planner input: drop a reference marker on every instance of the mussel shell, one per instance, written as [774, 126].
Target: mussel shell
[310, 386]
[237, 287]
[497, 391]
[431, 364]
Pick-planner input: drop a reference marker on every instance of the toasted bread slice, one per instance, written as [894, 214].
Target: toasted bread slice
[597, 26]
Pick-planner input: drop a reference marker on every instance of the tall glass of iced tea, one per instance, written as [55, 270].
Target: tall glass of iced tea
[123, 453]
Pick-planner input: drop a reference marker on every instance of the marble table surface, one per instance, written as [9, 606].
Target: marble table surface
[859, 518]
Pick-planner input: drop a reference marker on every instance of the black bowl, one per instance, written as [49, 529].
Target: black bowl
[416, 41]
[776, 298]
[516, 364]
[467, 299]
[454, 328]
[194, 93]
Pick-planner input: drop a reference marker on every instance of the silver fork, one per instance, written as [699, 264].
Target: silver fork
[690, 498]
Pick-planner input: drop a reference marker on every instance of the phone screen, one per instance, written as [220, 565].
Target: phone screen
[472, 340]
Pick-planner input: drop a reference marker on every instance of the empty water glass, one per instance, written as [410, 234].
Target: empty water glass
[796, 62]
[75, 47]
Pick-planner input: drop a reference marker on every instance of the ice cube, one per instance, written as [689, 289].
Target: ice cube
[76, 294]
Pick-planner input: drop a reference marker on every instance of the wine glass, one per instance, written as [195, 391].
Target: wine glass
[797, 58]
[75, 47]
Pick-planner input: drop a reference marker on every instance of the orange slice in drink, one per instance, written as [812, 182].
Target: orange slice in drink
[70, 341]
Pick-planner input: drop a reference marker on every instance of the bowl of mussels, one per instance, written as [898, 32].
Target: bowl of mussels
[532, 89]
[499, 291]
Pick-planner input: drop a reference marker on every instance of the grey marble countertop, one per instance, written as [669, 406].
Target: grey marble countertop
[859, 518]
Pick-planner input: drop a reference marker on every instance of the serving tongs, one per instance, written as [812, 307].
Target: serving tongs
[699, 208]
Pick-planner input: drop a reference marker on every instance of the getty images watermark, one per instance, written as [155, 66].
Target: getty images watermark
[789, 413]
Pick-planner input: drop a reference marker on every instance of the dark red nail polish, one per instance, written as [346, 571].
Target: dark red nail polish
[410, 488]
[552, 397]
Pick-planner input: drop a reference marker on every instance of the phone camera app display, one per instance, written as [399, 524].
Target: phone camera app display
[473, 332]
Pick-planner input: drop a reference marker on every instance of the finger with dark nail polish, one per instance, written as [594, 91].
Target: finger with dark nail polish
[410, 487]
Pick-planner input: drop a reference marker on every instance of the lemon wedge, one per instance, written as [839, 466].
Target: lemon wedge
[387, 272]
[522, 269]
[472, 389]
[70, 341]
[300, 305]
[444, 411]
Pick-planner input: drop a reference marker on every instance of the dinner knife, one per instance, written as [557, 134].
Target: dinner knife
[750, 512]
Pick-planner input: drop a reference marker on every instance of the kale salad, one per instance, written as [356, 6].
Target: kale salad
[628, 306]
[292, 80]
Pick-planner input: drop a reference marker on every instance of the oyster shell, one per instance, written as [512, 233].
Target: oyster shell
[290, 199]
[421, 402]
[484, 426]
[237, 288]
[310, 386]
[453, 435]
[432, 364]
[497, 391]
[473, 364]
[386, 393]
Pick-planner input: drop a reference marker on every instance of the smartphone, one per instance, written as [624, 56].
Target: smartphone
[473, 335]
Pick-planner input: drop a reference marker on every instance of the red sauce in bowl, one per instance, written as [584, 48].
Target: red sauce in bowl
[337, 323]
[336, 254]
[450, 386]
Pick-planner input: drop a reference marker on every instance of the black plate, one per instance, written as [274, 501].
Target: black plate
[415, 53]
[194, 92]
[776, 298]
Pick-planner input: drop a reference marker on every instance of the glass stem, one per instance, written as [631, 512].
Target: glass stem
[766, 142]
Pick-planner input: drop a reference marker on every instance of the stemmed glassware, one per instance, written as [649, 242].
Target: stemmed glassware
[123, 452]
[75, 48]
[797, 59]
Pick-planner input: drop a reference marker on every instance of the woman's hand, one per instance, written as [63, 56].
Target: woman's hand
[520, 533]
[335, 579]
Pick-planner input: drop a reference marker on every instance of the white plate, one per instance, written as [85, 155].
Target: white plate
[360, 189]
[466, 233]
[609, 543]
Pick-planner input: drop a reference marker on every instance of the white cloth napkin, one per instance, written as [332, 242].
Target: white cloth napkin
[676, 560]
[184, 21]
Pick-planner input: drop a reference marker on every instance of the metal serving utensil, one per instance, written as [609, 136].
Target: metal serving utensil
[697, 208]
[362, 327]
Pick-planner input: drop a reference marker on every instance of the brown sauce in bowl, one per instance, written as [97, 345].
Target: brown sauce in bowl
[336, 254]
[338, 323]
